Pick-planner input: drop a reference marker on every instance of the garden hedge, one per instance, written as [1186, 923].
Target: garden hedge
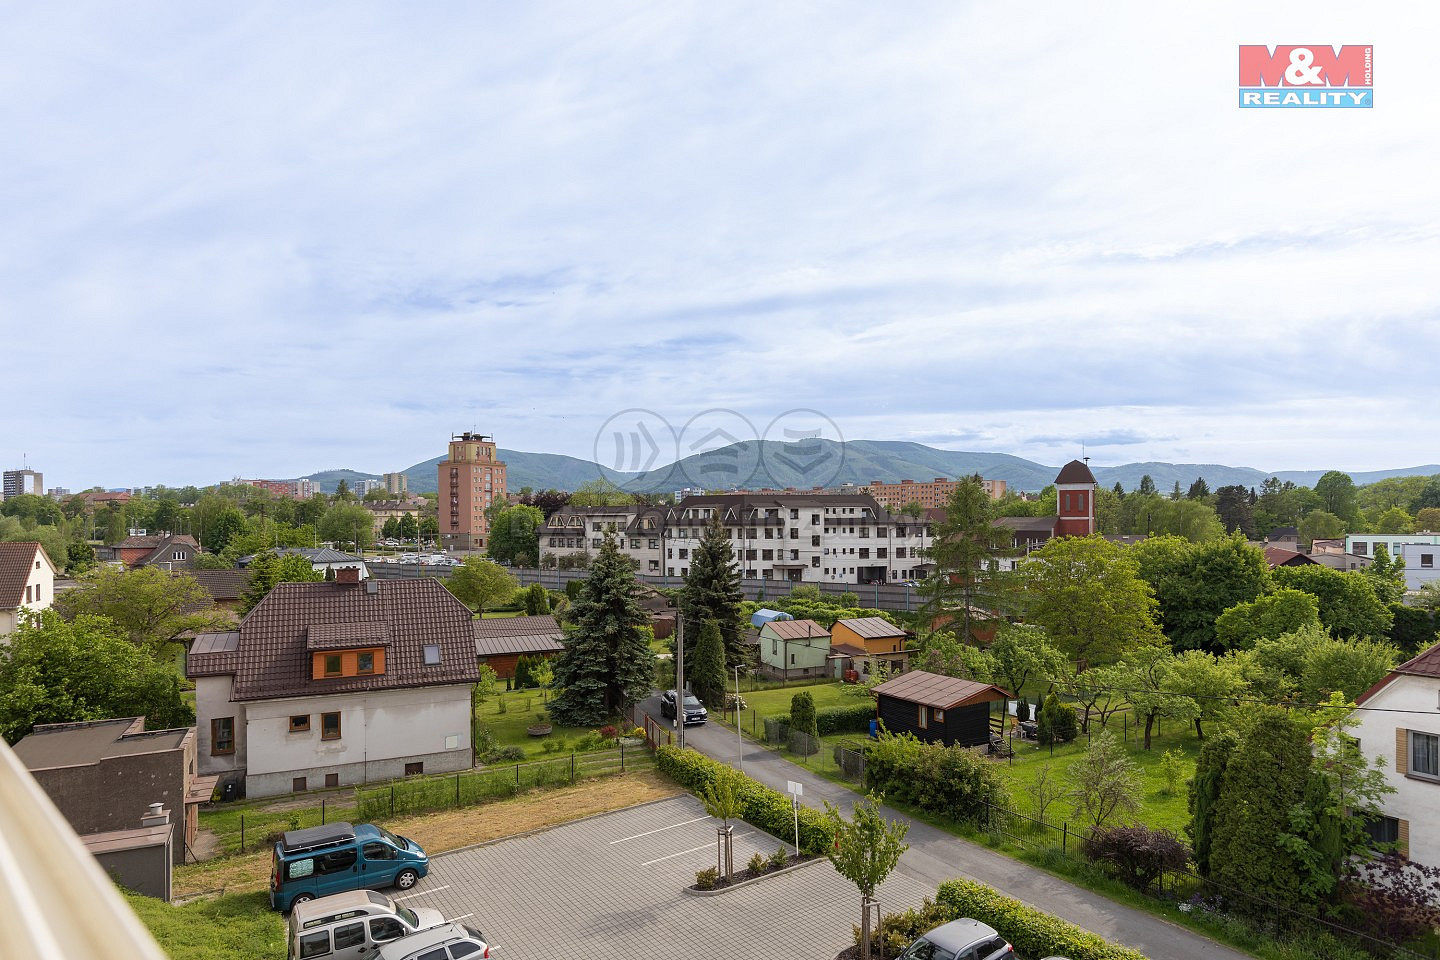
[848, 719]
[763, 807]
[1031, 932]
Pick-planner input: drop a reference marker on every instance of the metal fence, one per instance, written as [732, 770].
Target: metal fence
[259, 828]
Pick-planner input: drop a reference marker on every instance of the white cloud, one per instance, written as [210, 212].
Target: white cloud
[278, 239]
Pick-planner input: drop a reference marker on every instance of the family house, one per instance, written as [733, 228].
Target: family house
[502, 641]
[867, 644]
[27, 582]
[169, 551]
[1401, 726]
[790, 649]
[332, 684]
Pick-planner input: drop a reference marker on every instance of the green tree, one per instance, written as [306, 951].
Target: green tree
[113, 522]
[706, 667]
[803, 721]
[712, 594]
[515, 535]
[1021, 653]
[1233, 505]
[390, 529]
[724, 802]
[1395, 520]
[1337, 494]
[600, 493]
[1387, 576]
[1205, 796]
[148, 605]
[1147, 486]
[1321, 525]
[342, 492]
[1427, 518]
[537, 601]
[267, 569]
[54, 670]
[1195, 520]
[607, 662]
[33, 508]
[1207, 681]
[480, 583]
[1105, 784]
[1147, 676]
[1240, 627]
[407, 527]
[866, 850]
[1087, 595]
[1348, 604]
[1195, 583]
[347, 523]
[967, 586]
[1199, 490]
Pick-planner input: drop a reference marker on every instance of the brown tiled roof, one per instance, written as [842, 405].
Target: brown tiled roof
[1280, 557]
[1427, 664]
[872, 628]
[943, 693]
[16, 562]
[796, 629]
[272, 659]
[502, 635]
[220, 584]
[1075, 471]
[342, 636]
[165, 545]
[212, 654]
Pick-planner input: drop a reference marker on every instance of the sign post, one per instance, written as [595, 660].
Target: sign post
[796, 791]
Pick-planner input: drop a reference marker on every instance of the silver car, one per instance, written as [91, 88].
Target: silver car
[454, 941]
[962, 939]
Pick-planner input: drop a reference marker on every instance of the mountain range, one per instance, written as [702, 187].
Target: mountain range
[809, 463]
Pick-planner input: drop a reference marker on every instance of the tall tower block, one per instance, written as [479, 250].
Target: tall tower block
[471, 478]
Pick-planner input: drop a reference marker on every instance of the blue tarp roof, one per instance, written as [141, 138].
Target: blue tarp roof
[763, 616]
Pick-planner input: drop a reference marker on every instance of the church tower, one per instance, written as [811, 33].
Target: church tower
[1075, 500]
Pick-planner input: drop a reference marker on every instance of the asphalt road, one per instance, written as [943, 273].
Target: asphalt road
[935, 856]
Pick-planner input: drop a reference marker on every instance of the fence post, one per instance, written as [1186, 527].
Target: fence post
[392, 801]
[572, 766]
[322, 811]
[457, 789]
[517, 776]
[242, 833]
[622, 756]
[1065, 839]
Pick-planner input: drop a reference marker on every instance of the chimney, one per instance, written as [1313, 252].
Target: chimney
[347, 575]
[156, 816]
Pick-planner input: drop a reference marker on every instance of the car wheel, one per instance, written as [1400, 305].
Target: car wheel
[406, 879]
[301, 898]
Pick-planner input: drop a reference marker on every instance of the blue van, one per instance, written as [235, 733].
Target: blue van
[319, 861]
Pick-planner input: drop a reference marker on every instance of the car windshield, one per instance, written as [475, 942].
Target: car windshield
[394, 840]
[691, 701]
[923, 949]
[408, 915]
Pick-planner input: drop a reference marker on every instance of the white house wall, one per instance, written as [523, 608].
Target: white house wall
[1415, 800]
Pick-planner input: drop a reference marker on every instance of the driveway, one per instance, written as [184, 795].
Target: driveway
[935, 856]
[609, 888]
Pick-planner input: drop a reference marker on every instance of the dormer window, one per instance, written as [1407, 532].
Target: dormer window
[338, 664]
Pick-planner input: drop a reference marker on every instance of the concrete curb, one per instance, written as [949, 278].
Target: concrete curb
[692, 892]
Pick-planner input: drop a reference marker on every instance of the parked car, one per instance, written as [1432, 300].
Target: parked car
[695, 711]
[319, 861]
[348, 926]
[460, 940]
[962, 939]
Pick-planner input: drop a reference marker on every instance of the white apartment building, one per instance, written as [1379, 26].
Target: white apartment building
[796, 537]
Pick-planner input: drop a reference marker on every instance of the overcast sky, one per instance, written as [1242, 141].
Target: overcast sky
[270, 239]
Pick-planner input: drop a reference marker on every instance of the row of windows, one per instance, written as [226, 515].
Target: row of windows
[222, 731]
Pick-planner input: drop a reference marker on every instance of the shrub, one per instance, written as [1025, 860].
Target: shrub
[764, 808]
[758, 864]
[608, 732]
[707, 878]
[1137, 856]
[802, 721]
[504, 755]
[779, 858]
[1031, 932]
[951, 781]
[1172, 769]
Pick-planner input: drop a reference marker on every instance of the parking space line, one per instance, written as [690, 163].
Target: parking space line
[682, 853]
[661, 830]
[422, 893]
[463, 916]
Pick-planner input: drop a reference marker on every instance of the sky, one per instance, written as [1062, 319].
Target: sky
[270, 239]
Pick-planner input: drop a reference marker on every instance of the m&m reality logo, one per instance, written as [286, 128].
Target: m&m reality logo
[1307, 76]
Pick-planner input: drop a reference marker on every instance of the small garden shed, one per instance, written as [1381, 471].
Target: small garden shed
[938, 709]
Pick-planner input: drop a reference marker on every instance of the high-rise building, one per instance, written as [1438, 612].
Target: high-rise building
[471, 478]
[397, 485]
[365, 486]
[17, 482]
[933, 494]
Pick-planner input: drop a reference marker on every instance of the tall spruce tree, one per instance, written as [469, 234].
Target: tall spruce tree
[706, 669]
[712, 593]
[607, 663]
[966, 587]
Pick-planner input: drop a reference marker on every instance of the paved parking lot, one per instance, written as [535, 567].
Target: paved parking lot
[608, 888]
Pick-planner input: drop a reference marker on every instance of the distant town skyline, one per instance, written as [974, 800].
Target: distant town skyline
[272, 240]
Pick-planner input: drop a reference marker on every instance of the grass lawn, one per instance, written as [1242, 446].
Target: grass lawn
[522, 708]
[237, 925]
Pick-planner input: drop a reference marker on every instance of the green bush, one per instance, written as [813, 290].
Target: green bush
[951, 781]
[504, 755]
[1031, 932]
[707, 878]
[758, 864]
[898, 930]
[832, 720]
[762, 807]
[1056, 722]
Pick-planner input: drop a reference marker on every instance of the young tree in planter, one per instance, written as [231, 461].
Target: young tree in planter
[607, 663]
[803, 721]
[712, 593]
[706, 668]
[866, 849]
[723, 802]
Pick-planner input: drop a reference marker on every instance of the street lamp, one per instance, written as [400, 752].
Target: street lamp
[739, 738]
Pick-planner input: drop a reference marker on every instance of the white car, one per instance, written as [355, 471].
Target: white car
[462, 942]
